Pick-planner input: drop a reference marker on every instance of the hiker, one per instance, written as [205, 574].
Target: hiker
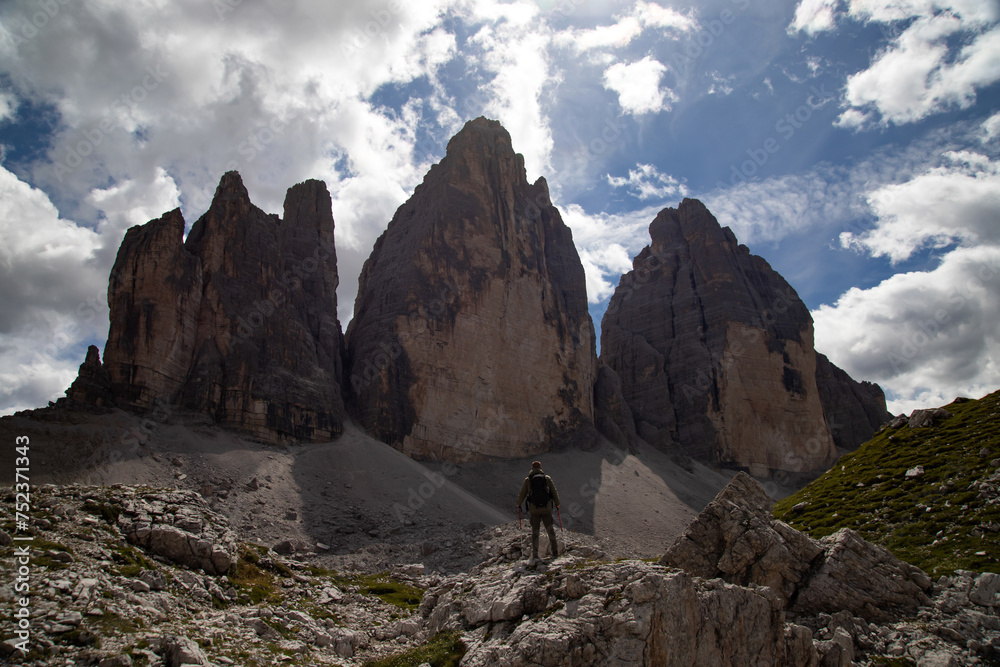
[541, 494]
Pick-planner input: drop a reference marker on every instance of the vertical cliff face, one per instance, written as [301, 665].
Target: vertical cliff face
[715, 351]
[238, 321]
[471, 336]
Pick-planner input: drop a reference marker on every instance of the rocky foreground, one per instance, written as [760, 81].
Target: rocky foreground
[139, 576]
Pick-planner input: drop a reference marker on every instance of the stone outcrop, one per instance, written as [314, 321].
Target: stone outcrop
[715, 353]
[735, 538]
[239, 321]
[99, 601]
[179, 527]
[854, 411]
[471, 336]
[92, 385]
[629, 613]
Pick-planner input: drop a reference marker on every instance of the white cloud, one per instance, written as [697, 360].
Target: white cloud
[925, 336]
[945, 205]
[884, 11]
[518, 56]
[914, 78]
[991, 128]
[813, 16]
[853, 119]
[626, 28]
[947, 53]
[638, 86]
[646, 182]
[54, 295]
[8, 105]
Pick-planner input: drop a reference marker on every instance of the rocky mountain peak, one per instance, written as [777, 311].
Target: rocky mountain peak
[471, 336]
[237, 322]
[715, 353]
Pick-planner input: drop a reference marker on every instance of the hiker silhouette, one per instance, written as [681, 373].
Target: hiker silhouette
[539, 491]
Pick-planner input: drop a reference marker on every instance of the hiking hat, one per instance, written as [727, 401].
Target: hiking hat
[536, 464]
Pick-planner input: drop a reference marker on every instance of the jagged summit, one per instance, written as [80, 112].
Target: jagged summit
[237, 322]
[471, 336]
[715, 353]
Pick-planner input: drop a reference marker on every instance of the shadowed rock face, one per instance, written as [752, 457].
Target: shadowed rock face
[237, 322]
[715, 353]
[471, 336]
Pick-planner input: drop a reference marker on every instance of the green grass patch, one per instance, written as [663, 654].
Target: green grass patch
[130, 561]
[39, 545]
[384, 587]
[106, 511]
[444, 649]
[248, 577]
[392, 592]
[114, 624]
[938, 521]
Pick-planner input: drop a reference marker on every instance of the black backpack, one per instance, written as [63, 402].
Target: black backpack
[539, 496]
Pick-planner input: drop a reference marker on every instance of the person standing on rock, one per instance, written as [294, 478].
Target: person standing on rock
[540, 492]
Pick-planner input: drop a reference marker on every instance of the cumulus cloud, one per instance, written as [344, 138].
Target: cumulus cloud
[925, 336]
[958, 203]
[638, 86]
[646, 182]
[8, 105]
[53, 296]
[813, 16]
[948, 52]
[928, 335]
[626, 28]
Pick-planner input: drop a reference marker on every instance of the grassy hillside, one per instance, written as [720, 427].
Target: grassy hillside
[945, 519]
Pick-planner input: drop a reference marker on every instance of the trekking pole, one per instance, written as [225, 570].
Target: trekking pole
[519, 517]
[559, 514]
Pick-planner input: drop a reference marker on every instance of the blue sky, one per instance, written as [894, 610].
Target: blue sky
[854, 144]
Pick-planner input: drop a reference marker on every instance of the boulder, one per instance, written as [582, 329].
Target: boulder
[471, 336]
[927, 418]
[628, 613]
[736, 539]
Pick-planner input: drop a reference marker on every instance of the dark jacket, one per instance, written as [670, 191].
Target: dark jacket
[526, 490]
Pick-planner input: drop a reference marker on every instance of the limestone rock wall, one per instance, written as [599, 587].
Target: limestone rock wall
[471, 336]
[715, 353]
[238, 321]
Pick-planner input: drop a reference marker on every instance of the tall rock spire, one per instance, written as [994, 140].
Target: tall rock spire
[715, 353]
[471, 337]
[238, 322]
